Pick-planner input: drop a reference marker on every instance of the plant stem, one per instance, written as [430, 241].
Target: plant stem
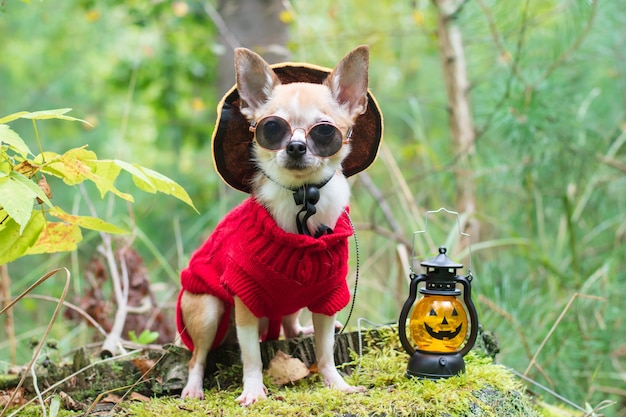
[43, 157]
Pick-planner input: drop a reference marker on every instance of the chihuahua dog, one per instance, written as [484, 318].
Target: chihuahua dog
[301, 137]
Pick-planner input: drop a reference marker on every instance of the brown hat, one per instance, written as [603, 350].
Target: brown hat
[232, 139]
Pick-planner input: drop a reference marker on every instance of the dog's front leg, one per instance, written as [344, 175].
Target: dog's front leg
[248, 337]
[324, 346]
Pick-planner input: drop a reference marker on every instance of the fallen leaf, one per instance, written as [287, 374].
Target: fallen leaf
[68, 402]
[135, 396]
[144, 366]
[111, 398]
[284, 369]
[5, 396]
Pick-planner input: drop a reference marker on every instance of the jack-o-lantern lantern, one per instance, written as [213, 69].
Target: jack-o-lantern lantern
[438, 323]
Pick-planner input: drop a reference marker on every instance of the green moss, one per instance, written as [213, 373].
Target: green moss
[34, 410]
[486, 389]
[8, 381]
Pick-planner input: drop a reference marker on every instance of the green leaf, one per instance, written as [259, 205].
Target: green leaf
[73, 167]
[78, 165]
[55, 405]
[45, 162]
[107, 170]
[14, 140]
[17, 193]
[15, 241]
[45, 114]
[137, 174]
[5, 166]
[11, 117]
[168, 186]
[86, 222]
[51, 114]
[16, 200]
[152, 182]
[27, 183]
[56, 237]
[145, 338]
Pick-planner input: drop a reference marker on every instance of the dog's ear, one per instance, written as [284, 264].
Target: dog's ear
[348, 81]
[255, 80]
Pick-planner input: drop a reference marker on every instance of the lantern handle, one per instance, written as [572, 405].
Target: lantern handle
[471, 308]
[404, 313]
[461, 232]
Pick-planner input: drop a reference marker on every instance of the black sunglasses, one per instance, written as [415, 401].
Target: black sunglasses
[322, 139]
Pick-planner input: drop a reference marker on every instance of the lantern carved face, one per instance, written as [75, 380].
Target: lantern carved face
[438, 323]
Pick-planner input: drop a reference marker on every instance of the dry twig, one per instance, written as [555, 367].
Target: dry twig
[39, 347]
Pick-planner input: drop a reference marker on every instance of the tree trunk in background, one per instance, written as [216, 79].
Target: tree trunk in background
[461, 124]
[254, 24]
[9, 323]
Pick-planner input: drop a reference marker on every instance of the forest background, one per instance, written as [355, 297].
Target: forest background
[540, 185]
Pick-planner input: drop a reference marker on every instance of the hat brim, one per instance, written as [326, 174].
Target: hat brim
[232, 139]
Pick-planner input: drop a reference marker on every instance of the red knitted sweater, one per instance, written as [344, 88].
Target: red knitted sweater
[273, 272]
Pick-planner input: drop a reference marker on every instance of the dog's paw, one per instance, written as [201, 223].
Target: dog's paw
[251, 395]
[193, 389]
[192, 392]
[351, 389]
[333, 380]
[343, 386]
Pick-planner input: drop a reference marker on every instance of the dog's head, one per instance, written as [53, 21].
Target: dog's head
[302, 130]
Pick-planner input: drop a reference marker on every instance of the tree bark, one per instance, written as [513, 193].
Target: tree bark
[254, 24]
[461, 123]
[9, 323]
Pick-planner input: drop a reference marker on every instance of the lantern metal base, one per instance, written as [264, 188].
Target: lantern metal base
[435, 365]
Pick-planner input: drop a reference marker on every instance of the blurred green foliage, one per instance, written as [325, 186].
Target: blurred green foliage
[548, 94]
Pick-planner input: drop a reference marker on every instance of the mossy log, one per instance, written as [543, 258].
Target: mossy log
[485, 389]
[303, 348]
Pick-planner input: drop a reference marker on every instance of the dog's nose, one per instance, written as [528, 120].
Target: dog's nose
[296, 148]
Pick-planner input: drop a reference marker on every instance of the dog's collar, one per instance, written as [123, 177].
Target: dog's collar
[306, 195]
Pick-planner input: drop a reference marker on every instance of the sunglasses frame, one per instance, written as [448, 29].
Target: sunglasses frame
[344, 140]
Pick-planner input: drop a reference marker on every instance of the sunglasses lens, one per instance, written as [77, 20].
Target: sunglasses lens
[326, 139]
[272, 133]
